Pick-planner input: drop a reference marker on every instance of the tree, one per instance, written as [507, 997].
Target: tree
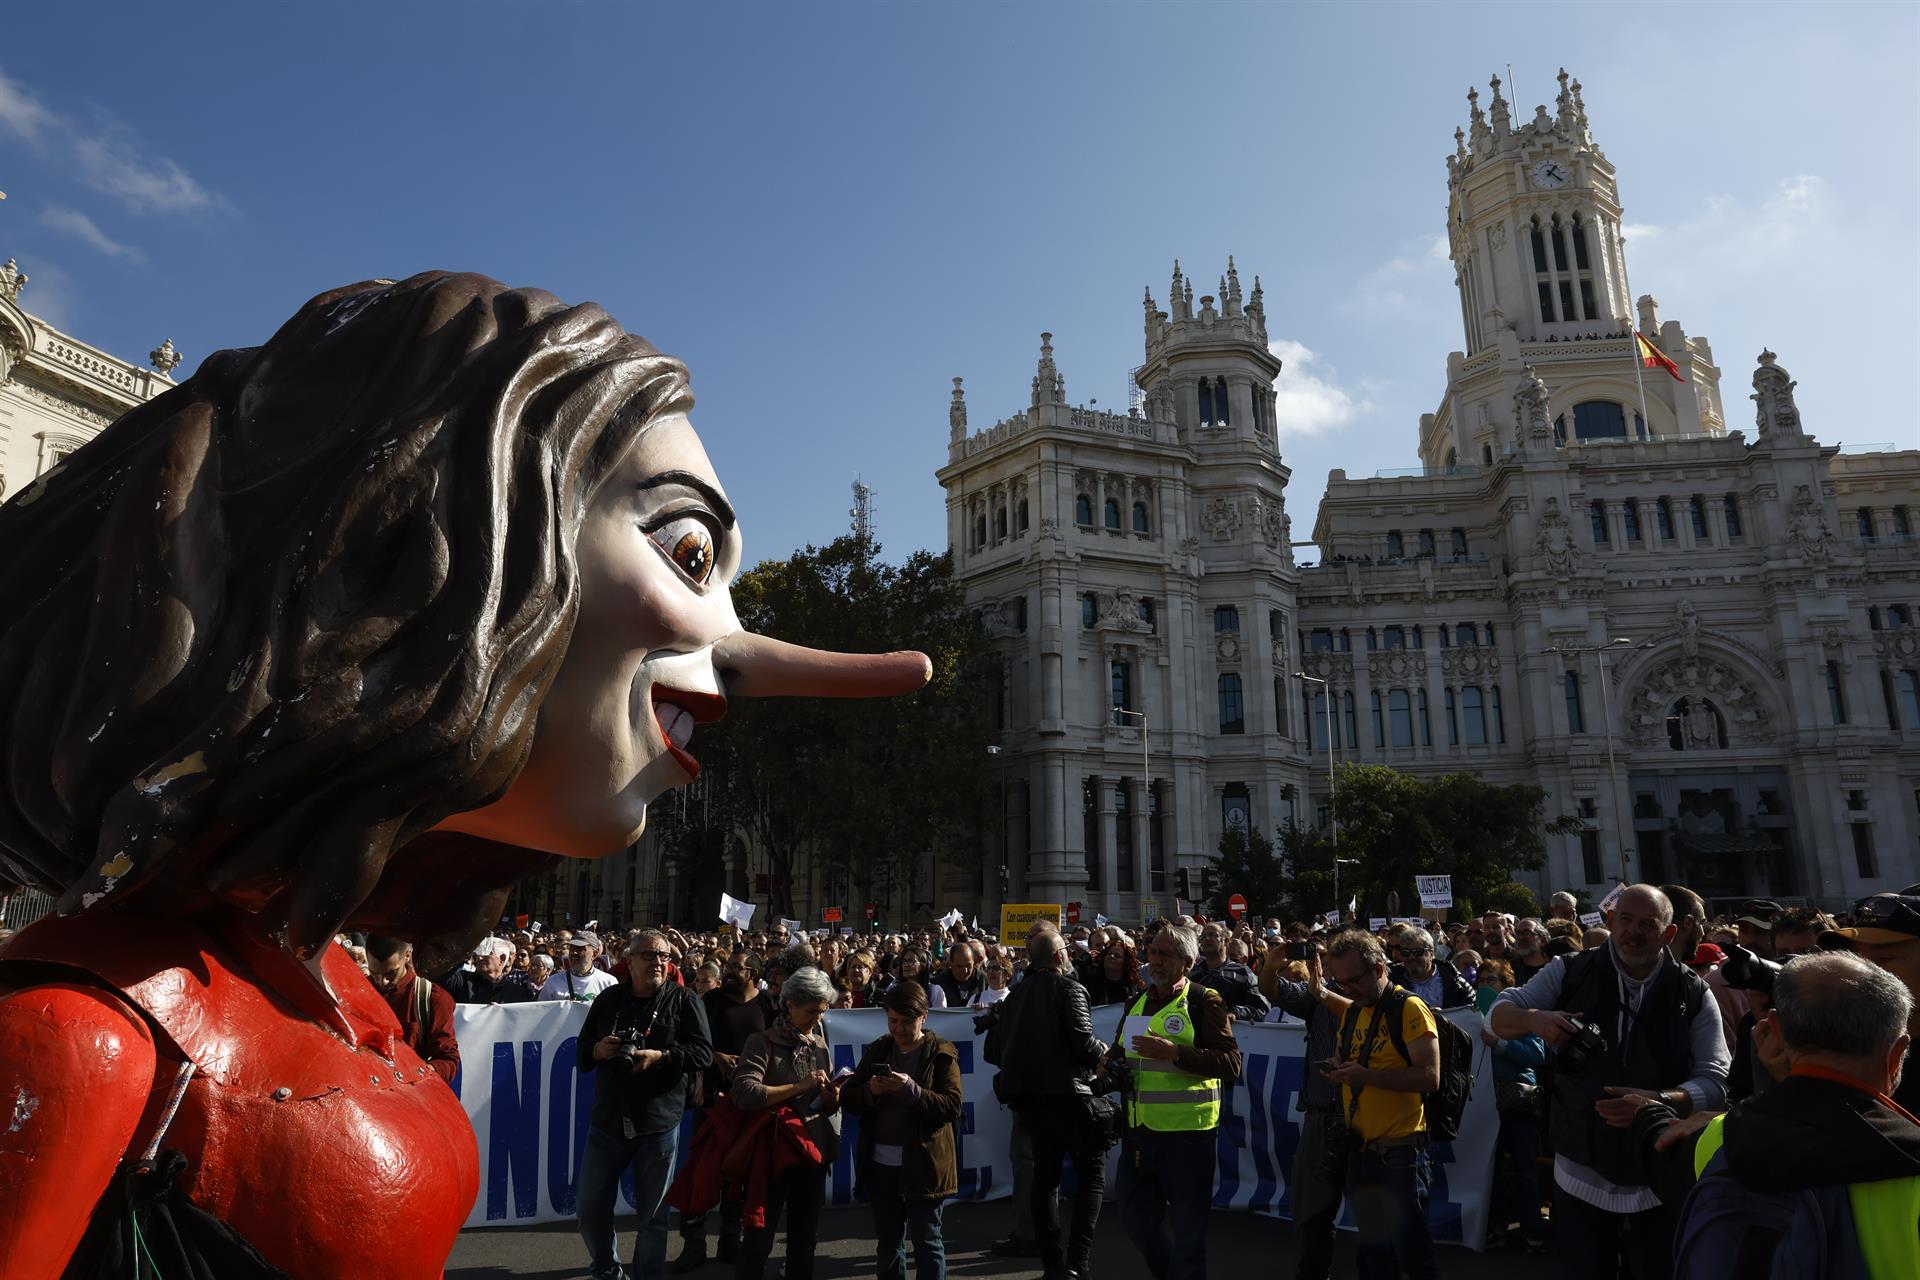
[1398, 826]
[864, 786]
[1250, 867]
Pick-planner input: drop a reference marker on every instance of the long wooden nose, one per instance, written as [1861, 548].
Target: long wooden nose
[755, 666]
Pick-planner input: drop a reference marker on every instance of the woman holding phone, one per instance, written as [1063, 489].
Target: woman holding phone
[907, 1092]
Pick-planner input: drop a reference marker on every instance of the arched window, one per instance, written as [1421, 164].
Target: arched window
[1663, 519]
[1459, 544]
[1020, 614]
[1144, 610]
[1863, 524]
[1206, 402]
[1539, 246]
[1379, 724]
[1630, 516]
[1446, 637]
[1599, 420]
[1111, 510]
[1373, 640]
[1559, 430]
[1426, 542]
[1140, 518]
[1486, 455]
[1465, 636]
[999, 523]
[1599, 514]
[1426, 722]
[980, 530]
[1122, 691]
[1419, 641]
[1453, 720]
[1731, 508]
[1695, 724]
[1089, 609]
[1226, 620]
[1697, 512]
[1576, 709]
[1487, 631]
[1352, 725]
[1022, 520]
[1220, 416]
[1232, 715]
[1396, 545]
[1082, 509]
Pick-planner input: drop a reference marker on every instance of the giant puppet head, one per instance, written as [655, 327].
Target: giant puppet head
[363, 625]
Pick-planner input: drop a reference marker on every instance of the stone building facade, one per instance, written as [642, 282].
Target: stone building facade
[57, 392]
[1699, 639]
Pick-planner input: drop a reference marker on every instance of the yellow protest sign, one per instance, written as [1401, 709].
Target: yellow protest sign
[1017, 917]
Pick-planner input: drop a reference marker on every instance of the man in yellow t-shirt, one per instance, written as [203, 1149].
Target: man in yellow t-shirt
[1383, 1077]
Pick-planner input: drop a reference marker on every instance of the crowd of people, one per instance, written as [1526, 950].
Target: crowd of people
[1676, 1093]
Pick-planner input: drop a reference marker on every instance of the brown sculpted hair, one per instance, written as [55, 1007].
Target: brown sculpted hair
[271, 627]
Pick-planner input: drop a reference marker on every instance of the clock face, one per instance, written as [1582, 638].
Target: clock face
[1551, 175]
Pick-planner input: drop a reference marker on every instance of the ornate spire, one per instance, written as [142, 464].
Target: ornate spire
[1258, 302]
[165, 357]
[957, 413]
[1502, 121]
[1477, 120]
[1460, 146]
[12, 280]
[1233, 288]
[1775, 412]
[1048, 386]
[1580, 114]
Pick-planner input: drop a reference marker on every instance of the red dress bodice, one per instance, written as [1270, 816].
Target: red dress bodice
[311, 1128]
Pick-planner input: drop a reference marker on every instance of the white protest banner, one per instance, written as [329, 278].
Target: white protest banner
[1333, 917]
[1099, 921]
[1606, 903]
[735, 912]
[1591, 919]
[1376, 923]
[1435, 891]
[950, 919]
[530, 1105]
[791, 926]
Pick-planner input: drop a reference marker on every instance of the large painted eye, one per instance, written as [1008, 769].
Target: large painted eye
[688, 542]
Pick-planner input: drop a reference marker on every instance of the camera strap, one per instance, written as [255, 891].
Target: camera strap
[1349, 1025]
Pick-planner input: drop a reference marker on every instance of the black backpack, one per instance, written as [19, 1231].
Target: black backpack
[1446, 1105]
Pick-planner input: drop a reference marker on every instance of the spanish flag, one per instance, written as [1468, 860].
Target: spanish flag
[1652, 357]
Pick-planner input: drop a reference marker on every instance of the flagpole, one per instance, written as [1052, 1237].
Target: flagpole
[1633, 331]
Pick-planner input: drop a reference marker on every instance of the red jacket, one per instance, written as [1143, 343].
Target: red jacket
[780, 1144]
[435, 1044]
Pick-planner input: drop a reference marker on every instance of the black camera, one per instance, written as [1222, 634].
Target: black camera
[987, 1019]
[1118, 1078]
[1588, 1045]
[1746, 971]
[1299, 950]
[632, 1041]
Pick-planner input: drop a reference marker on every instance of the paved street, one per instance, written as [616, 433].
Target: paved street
[1240, 1245]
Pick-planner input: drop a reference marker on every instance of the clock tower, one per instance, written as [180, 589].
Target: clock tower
[1533, 231]
[1533, 224]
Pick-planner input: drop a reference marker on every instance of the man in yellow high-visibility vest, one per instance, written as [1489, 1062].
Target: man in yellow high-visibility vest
[1178, 1040]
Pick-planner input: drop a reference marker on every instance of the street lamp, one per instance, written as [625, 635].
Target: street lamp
[1621, 829]
[1333, 792]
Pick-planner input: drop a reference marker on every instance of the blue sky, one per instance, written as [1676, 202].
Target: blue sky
[830, 210]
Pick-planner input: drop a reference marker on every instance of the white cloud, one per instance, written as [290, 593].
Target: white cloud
[111, 164]
[21, 113]
[1412, 277]
[1307, 400]
[78, 224]
[1719, 247]
[112, 158]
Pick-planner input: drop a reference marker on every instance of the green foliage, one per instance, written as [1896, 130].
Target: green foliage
[1250, 866]
[1398, 826]
[861, 785]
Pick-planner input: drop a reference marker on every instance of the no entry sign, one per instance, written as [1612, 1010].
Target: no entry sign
[1237, 905]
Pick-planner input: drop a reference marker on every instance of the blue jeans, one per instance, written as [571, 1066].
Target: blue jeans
[1166, 1190]
[893, 1214]
[605, 1158]
[1388, 1189]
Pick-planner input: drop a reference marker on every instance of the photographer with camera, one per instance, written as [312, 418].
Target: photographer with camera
[643, 1040]
[1626, 1020]
[1315, 1195]
[1041, 1037]
[1386, 1060]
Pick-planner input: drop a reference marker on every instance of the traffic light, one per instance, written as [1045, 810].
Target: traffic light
[1183, 878]
[1209, 881]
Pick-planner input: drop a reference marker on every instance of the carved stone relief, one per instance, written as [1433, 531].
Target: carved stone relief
[1220, 517]
[1555, 542]
[1701, 679]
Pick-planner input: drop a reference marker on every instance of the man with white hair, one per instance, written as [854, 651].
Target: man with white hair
[1414, 967]
[488, 982]
[1563, 906]
[1629, 1022]
[1818, 1177]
